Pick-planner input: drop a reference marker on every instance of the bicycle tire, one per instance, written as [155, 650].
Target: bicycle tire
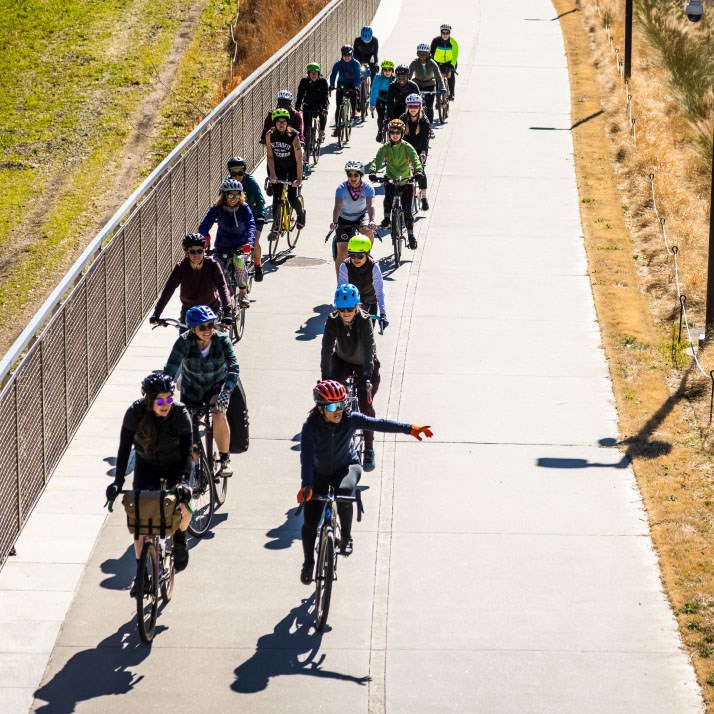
[348, 122]
[274, 235]
[440, 107]
[168, 573]
[203, 502]
[364, 93]
[324, 576]
[220, 483]
[340, 127]
[233, 289]
[396, 231]
[446, 108]
[315, 143]
[147, 601]
[294, 231]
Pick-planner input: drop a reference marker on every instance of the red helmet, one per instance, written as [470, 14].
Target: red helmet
[328, 391]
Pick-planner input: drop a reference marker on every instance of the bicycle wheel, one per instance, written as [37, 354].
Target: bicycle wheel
[364, 93]
[446, 107]
[348, 121]
[315, 147]
[203, 502]
[167, 571]
[293, 230]
[324, 576]
[396, 231]
[146, 594]
[274, 235]
[233, 289]
[220, 483]
[341, 127]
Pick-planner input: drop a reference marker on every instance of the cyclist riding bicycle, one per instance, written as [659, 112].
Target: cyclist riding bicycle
[378, 95]
[238, 170]
[363, 271]
[313, 98]
[417, 132]
[159, 430]
[366, 50]
[235, 234]
[353, 210]
[348, 348]
[346, 76]
[209, 373]
[398, 92]
[284, 100]
[327, 455]
[401, 161]
[445, 51]
[285, 162]
[425, 72]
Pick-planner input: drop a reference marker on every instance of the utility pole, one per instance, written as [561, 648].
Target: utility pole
[628, 39]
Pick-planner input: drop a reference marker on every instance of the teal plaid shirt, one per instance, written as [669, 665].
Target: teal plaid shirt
[198, 373]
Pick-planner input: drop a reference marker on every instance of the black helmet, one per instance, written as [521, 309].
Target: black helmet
[237, 162]
[193, 239]
[346, 50]
[401, 70]
[156, 383]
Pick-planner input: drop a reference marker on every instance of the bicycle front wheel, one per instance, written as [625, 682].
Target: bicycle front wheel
[203, 501]
[146, 592]
[315, 142]
[396, 230]
[274, 235]
[167, 571]
[440, 108]
[324, 576]
[293, 230]
[220, 483]
[348, 122]
[446, 107]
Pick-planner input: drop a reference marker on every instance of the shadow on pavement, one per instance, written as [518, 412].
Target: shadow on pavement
[121, 570]
[102, 671]
[315, 324]
[291, 648]
[285, 534]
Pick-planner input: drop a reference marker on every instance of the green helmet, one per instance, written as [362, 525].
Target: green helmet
[359, 244]
[313, 67]
[280, 114]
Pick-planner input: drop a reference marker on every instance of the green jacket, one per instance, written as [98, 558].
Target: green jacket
[254, 196]
[401, 160]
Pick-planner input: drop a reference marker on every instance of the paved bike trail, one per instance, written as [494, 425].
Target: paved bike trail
[505, 566]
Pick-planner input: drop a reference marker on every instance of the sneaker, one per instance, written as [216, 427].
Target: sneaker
[379, 137]
[368, 462]
[301, 219]
[335, 133]
[346, 547]
[243, 300]
[306, 573]
[432, 135]
[424, 204]
[322, 136]
[258, 274]
[384, 224]
[226, 469]
[412, 242]
[180, 551]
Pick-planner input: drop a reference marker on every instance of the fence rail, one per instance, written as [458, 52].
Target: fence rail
[115, 282]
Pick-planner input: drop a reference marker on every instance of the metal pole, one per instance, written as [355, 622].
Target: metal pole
[628, 39]
[710, 270]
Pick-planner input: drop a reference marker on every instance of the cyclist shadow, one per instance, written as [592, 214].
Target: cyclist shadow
[101, 671]
[315, 324]
[285, 534]
[291, 648]
[217, 519]
[121, 571]
[388, 266]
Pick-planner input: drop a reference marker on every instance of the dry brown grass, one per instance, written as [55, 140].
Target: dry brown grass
[662, 400]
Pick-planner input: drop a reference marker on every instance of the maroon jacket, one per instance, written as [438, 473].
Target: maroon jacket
[295, 122]
[206, 286]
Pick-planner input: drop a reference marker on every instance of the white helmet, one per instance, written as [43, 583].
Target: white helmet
[285, 94]
[423, 47]
[413, 99]
[445, 26]
[354, 166]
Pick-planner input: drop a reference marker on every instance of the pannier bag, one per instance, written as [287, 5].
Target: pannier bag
[151, 513]
[238, 420]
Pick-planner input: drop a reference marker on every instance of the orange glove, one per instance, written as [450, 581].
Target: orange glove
[304, 494]
[416, 430]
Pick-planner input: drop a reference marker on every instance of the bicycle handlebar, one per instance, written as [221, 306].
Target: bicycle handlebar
[109, 505]
[170, 321]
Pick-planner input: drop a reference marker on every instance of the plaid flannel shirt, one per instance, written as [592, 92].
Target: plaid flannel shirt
[200, 373]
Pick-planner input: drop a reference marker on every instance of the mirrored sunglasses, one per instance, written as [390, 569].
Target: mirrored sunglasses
[232, 196]
[161, 402]
[335, 406]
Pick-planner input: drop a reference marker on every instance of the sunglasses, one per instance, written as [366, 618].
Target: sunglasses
[395, 131]
[387, 69]
[206, 326]
[353, 174]
[196, 251]
[232, 196]
[161, 402]
[346, 309]
[335, 406]
[445, 32]
[237, 173]
[358, 256]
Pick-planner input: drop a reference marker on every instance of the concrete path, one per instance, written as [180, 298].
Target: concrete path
[505, 566]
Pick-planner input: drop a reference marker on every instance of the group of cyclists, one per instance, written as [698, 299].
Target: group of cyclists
[157, 426]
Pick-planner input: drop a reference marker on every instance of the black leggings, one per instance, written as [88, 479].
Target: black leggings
[288, 173]
[381, 112]
[313, 509]
[429, 102]
[148, 475]
[407, 192]
[352, 93]
[307, 115]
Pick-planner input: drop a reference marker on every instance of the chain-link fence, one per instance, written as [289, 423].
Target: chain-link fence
[72, 354]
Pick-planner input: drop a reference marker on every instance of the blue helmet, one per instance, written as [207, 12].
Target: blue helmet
[199, 315]
[346, 295]
[366, 34]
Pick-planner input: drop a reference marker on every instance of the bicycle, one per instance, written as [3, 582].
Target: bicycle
[284, 222]
[227, 257]
[446, 70]
[397, 222]
[441, 100]
[344, 118]
[209, 487]
[328, 541]
[312, 148]
[364, 92]
[352, 405]
[155, 574]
